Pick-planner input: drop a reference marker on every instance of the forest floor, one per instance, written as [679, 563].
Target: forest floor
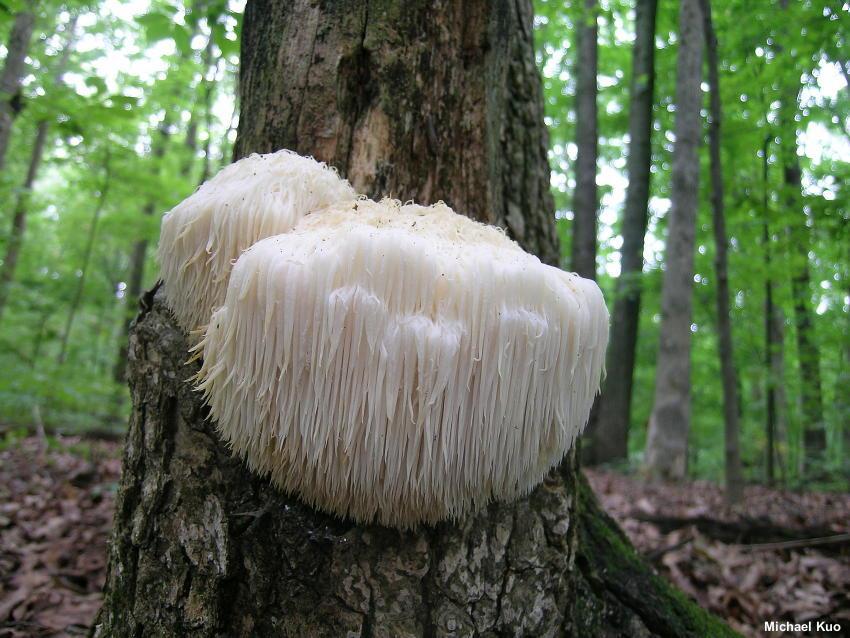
[57, 496]
[779, 555]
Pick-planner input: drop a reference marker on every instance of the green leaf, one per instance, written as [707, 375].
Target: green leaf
[157, 26]
[182, 39]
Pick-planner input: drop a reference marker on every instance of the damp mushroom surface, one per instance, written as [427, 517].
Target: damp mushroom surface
[256, 197]
[401, 364]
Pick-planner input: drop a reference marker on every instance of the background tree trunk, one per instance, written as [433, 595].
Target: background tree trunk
[585, 197]
[13, 72]
[669, 423]
[771, 344]
[798, 234]
[421, 101]
[729, 374]
[610, 439]
[769, 333]
[842, 382]
[777, 372]
[774, 340]
[22, 202]
[814, 428]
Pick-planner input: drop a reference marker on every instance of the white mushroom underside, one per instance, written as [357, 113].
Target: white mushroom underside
[256, 197]
[401, 364]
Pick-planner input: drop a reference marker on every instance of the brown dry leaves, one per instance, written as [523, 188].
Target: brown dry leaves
[55, 515]
[743, 584]
[56, 511]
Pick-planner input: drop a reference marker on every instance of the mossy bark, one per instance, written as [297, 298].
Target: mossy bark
[416, 100]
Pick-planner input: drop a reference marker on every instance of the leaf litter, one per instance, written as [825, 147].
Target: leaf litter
[772, 572]
[57, 500]
[56, 505]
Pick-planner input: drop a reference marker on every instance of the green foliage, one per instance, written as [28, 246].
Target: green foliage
[130, 85]
[766, 55]
[138, 83]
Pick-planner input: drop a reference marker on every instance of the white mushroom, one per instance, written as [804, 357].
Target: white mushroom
[256, 197]
[401, 364]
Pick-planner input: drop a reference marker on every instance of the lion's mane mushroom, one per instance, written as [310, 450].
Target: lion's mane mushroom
[401, 364]
[256, 197]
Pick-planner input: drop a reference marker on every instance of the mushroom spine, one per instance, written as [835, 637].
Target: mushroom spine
[398, 364]
[256, 197]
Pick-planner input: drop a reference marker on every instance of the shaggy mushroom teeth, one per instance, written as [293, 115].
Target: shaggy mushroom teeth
[256, 197]
[401, 364]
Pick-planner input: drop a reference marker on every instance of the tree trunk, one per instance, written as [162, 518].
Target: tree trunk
[772, 344]
[22, 202]
[393, 126]
[842, 382]
[211, 69]
[419, 101]
[669, 423]
[814, 430]
[777, 378]
[139, 254]
[204, 87]
[732, 445]
[585, 197]
[610, 439]
[10, 80]
[808, 357]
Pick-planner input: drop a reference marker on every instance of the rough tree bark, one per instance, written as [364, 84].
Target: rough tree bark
[610, 439]
[732, 445]
[418, 100]
[669, 423]
[585, 196]
[10, 79]
[419, 109]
